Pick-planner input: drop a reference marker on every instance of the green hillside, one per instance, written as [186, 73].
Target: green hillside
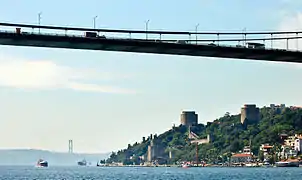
[227, 133]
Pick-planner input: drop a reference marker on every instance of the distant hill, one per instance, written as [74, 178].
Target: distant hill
[31, 156]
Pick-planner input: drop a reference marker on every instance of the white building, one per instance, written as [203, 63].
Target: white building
[290, 141]
[298, 145]
[266, 149]
[247, 150]
[291, 147]
[287, 152]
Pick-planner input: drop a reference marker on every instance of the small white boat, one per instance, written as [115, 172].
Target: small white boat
[186, 165]
[266, 163]
[249, 165]
[42, 163]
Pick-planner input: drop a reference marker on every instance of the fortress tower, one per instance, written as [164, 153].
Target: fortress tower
[189, 118]
[250, 114]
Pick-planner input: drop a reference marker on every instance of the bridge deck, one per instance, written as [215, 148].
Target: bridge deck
[142, 46]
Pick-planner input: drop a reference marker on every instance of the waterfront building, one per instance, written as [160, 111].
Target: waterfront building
[290, 141]
[247, 150]
[298, 145]
[241, 158]
[266, 149]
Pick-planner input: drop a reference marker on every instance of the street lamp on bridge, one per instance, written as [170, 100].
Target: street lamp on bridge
[39, 20]
[196, 29]
[244, 36]
[147, 24]
[94, 19]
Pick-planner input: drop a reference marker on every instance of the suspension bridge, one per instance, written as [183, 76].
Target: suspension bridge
[265, 46]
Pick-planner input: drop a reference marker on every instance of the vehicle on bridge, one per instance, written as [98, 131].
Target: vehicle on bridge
[94, 35]
[255, 45]
[91, 34]
[18, 30]
[240, 46]
[212, 44]
[181, 41]
[103, 37]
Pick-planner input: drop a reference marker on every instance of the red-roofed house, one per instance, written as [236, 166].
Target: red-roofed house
[241, 158]
[266, 149]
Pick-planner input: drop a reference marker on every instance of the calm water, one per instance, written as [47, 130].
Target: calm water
[88, 173]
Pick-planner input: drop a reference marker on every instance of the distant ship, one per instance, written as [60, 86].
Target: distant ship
[82, 163]
[42, 163]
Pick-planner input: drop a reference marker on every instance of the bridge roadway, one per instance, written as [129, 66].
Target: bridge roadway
[147, 46]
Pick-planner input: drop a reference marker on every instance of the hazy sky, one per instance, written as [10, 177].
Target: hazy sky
[105, 100]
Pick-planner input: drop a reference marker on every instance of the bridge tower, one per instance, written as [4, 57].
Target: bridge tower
[70, 146]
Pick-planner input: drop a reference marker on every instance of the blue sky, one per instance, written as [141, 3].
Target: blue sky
[105, 100]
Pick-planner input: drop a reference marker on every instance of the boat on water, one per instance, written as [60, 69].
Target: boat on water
[42, 163]
[251, 165]
[82, 163]
[287, 164]
[266, 163]
[186, 165]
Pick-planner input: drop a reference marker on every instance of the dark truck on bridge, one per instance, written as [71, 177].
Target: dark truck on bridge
[91, 34]
[255, 45]
[182, 42]
[94, 35]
